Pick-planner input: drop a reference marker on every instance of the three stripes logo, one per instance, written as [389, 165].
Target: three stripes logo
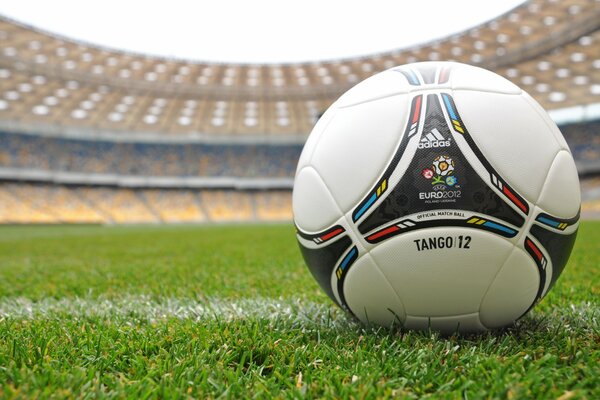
[433, 139]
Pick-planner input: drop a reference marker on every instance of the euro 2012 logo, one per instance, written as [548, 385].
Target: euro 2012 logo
[441, 172]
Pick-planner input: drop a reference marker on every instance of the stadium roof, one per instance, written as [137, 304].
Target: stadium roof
[261, 31]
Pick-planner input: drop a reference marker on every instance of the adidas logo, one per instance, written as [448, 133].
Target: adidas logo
[433, 139]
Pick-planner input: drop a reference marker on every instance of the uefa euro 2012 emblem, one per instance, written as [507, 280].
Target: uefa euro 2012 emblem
[443, 165]
[441, 171]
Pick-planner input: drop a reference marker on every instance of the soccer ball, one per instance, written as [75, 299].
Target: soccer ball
[436, 195]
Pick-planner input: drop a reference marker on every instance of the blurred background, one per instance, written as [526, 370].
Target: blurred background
[93, 134]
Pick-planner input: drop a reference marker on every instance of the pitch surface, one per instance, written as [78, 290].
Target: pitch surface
[232, 311]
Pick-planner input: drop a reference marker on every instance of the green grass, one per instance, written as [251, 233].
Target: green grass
[231, 311]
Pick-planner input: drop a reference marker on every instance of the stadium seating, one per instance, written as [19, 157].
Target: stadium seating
[57, 202]
[590, 196]
[197, 159]
[15, 209]
[273, 206]
[174, 205]
[51, 204]
[228, 206]
[149, 159]
[584, 141]
[566, 77]
[95, 135]
[45, 79]
[122, 205]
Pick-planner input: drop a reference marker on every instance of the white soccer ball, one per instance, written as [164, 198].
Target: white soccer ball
[436, 195]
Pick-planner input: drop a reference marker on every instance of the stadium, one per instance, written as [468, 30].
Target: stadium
[120, 172]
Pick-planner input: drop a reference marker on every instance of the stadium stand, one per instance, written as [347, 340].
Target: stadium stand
[39, 153]
[124, 205]
[52, 203]
[590, 197]
[272, 206]
[584, 141]
[94, 135]
[174, 205]
[150, 159]
[57, 202]
[228, 206]
[47, 79]
[14, 209]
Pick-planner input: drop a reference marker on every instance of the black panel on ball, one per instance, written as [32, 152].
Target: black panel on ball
[323, 260]
[404, 199]
[558, 246]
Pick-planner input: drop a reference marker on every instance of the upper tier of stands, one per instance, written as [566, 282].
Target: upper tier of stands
[548, 47]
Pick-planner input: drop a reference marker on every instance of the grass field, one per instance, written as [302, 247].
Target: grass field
[231, 311]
